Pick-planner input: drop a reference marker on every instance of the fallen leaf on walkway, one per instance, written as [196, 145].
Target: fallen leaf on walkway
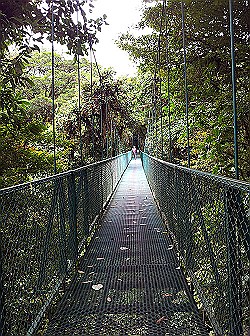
[163, 318]
[123, 248]
[109, 299]
[97, 287]
[167, 294]
[80, 272]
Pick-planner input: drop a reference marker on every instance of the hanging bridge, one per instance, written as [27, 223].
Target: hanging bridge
[127, 247]
[103, 250]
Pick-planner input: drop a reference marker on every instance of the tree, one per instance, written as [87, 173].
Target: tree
[209, 80]
[23, 24]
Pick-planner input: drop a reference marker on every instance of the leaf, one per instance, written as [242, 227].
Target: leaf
[97, 287]
[163, 318]
[123, 248]
[167, 294]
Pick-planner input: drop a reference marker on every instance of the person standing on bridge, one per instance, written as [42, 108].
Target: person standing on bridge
[134, 151]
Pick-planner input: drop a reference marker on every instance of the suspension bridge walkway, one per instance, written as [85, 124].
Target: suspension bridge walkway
[129, 281]
[96, 251]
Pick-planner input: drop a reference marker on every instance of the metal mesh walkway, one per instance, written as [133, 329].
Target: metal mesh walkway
[129, 281]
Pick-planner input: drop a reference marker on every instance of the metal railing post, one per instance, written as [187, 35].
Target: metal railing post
[73, 241]
[86, 203]
[62, 230]
[2, 324]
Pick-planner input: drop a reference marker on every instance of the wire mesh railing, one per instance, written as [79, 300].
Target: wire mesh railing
[208, 219]
[45, 227]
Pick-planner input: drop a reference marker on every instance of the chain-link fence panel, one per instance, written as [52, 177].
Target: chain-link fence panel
[208, 219]
[45, 226]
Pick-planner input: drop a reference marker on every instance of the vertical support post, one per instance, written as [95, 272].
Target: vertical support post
[73, 242]
[236, 163]
[177, 209]
[2, 311]
[185, 78]
[101, 184]
[86, 203]
[48, 235]
[62, 230]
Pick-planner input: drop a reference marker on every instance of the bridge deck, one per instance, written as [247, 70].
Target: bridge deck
[129, 281]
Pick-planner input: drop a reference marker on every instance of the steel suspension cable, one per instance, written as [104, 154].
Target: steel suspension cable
[156, 92]
[53, 84]
[161, 116]
[106, 125]
[168, 85]
[236, 164]
[79, 85]
[91, 99]
[185, 78]
[101, 116]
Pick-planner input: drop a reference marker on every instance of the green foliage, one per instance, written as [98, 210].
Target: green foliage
[209, 82]
[103, 126]
[25, 132]
[22, 19]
